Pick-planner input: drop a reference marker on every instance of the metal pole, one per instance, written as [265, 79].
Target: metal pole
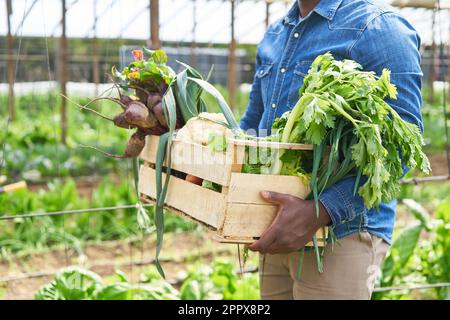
[232, 60]
[155, 42]
[267, 21]
[10, 63]
[432, 75]
[63, 72]
[95, 60]
[448, 72]
[194, 34]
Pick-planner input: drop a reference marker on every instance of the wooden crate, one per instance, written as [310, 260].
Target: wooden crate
[238, 214]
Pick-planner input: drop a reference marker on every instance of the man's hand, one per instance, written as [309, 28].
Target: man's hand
[294, 227]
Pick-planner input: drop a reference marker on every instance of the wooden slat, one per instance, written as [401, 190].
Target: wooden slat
[151, 146]
[273, 145]
[201, 204]
[194, 159]
[147, 199]
[247, 240]
[246, 222]
[246, 188]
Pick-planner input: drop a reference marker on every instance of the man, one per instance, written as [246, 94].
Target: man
[371, 33]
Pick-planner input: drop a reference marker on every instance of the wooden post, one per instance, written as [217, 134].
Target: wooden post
[432, 75]
[194, 34]
[63, 72]
[155, 42]
[95, 60]
[448, 75]
[232, 79]
[10, 64]
[267, 20]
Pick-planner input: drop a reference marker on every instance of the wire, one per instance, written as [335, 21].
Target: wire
[415, 287]
[68, 212]
[425, 179]
[100, 16]
[24, 17]
[55, 28]
[133, 20]
[444, 95]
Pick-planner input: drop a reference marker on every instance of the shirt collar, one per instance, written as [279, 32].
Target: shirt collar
[325, 8]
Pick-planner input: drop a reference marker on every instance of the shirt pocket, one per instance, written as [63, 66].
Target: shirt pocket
[263, 74]
[300, 72]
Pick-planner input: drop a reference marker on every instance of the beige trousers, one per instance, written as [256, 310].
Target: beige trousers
[351, 268]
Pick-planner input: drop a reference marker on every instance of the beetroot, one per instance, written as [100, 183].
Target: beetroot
[135, 145]
[121, 122]
[153, 100]
[137, 114]
[159, 114]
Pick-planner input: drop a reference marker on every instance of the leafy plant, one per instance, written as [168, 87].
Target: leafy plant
[79, 284]
[201, 283]
[219, 282]
[419, 253]
[342, 107]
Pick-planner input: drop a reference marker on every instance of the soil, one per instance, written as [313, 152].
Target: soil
[439, 164]
[21, 276]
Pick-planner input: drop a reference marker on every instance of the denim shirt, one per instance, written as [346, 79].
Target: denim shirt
[372, 34]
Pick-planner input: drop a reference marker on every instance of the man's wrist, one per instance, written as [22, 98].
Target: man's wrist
[324, 218]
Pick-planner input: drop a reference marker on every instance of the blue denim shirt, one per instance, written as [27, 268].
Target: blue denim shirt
[369, 32]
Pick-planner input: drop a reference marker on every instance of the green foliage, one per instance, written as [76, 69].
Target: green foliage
[420, 254]
[151, 70]
[435, 253]
[70, 284]
[343, 107]
[79, 284]
[184, 93]
[32, 150]
[72, 230]
[201, 283]
[219, 282]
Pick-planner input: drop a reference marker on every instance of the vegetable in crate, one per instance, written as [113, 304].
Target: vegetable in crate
[205, 129]
[342, 109]
[163, 102]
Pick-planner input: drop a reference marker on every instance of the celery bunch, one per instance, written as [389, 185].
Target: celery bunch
[342, 111]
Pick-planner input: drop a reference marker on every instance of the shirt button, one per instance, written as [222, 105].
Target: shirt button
[283, 70]
[274, 106]
[296, 35]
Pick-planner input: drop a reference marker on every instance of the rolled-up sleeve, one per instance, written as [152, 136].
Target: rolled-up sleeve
[387, 41]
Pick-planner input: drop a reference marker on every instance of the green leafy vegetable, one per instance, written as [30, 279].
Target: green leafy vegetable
[343, 108]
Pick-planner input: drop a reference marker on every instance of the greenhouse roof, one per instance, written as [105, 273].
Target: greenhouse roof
[119, 19]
